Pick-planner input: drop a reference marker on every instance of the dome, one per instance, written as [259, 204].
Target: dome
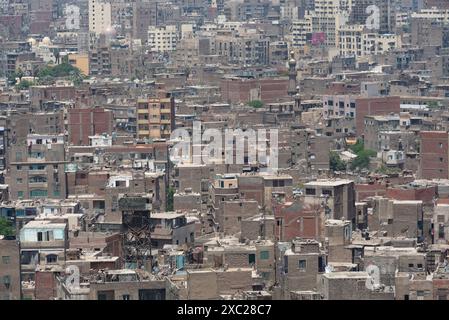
[32, 41]
[46, 41]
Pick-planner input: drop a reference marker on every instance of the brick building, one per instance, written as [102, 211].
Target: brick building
[434, 161]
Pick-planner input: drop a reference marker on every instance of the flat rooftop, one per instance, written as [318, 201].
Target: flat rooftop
[328, 183]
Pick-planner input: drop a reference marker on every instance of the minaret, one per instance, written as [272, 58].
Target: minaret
[292, 75]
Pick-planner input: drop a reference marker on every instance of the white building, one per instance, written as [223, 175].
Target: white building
[300, 29]
[350, 40]
[162, 39]
[374, 43]
[100, 16]
[355, 40]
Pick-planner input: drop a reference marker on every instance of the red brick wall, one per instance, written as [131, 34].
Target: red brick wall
[363, 191]
[434, 155]
[238, 91]
[424, 194]
[45, 285]
[87, 122]
[289, 219]
[374, 106]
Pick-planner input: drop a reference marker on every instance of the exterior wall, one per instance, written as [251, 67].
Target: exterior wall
[10, 268]
[234, 212]
[374, 106]
[209, 284]
[251, 229]
[364, 191]
[434, 161]
[118, 289]
[83, 123]
[298, 220]
[45, 285]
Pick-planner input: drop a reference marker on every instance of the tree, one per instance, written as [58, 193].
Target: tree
[48, 74]
[363, 159]
[363, 155]
[170, 199]
[335, 162]
[24, 85]
[6, 228]
[255, 104]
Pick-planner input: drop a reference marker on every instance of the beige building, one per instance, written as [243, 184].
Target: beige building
[100, 16]
[80, 61]
[162, 39]
[155, 118]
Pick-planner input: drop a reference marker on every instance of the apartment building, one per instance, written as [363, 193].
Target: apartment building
[100, 16]
[155, 118]
[163, 38]
[37, 169]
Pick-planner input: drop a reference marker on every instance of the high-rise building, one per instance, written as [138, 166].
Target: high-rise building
[100, 16]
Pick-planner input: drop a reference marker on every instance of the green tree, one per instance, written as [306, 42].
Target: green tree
[170, 198]
[363, 155]
[255, 104]
[363, 159]
[6, 228]
[48, 74]
[24, 85]
[335, 162]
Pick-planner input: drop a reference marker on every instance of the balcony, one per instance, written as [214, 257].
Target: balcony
[37, 172]
[38, 184]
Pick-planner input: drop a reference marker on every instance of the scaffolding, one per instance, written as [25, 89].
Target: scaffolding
[136, 219]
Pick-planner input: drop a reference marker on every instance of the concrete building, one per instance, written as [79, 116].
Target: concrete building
[100, 16]
[349, 286]
[37, 169]
[300, 266]
[155, 118]
[337, 197]
[10, 280]
[163, 38]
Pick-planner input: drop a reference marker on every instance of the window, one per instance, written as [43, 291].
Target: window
[264, 255]
[302, 264]
[38, 193]
[126, 297]
[310, 191]
[251, 258]
[52, 258]
[20, 194]
[7, 280]
[411, 265]
[6, 259]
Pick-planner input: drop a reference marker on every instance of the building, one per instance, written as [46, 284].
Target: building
[37, 169]
[163, 38]
[434, 160]
[83, 123]
[374, 106]
[336, 196]
[10, 280]
[100, 16]
[155, 118]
